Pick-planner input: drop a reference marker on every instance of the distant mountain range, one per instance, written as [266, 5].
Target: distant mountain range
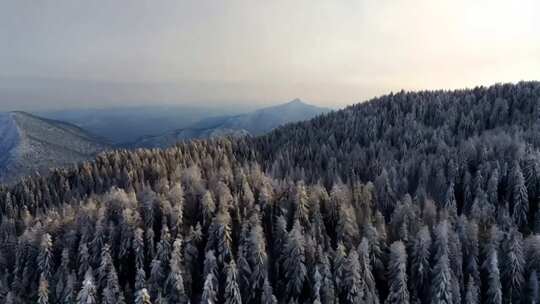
[127, 124]
[250, 124]
[30, 144]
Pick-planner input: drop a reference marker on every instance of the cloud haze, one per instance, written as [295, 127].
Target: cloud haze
[95, 53]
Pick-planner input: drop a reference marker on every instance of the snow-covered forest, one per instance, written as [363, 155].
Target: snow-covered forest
[420, 197]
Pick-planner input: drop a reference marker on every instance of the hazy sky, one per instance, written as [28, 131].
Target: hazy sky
[57, 53]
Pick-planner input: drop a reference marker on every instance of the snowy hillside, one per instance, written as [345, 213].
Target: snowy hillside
[30, 144]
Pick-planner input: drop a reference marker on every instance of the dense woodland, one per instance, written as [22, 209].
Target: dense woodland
[413, 197]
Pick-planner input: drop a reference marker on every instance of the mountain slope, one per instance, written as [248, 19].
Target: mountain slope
[31, 144]
[253, 123]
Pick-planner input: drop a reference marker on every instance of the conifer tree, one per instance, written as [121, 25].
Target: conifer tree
[339, 259]
[441, 288]
[301, 211]
[533, 294]
[142, 297]
[43, 290]
[256, 255]
[175, 282]
[295, 261]
[512, 266]
[420, 265]
[354, 284]
[156, 278]
[494, 291]
[209, 295]
[371, 296]
[232, 290]
[87, 294]
[140, 279]
[191, 258]
[472, 293]
[211, 267]
[138, 247]
[397, 272]
[45, 256]
[112, 293]
[328, 292]
[105, 266]
[267, 296]
[520, 197]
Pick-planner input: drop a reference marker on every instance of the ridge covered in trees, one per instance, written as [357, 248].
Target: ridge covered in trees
[426, 197]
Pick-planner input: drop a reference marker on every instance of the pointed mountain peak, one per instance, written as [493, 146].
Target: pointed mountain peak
[296, 101]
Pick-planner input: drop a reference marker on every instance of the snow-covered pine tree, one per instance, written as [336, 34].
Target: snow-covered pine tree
[397, 275]
[45, 256]
[295, 261]
[339, 260]
[112, 293]
[512, 266]
[43, 290]
[354, 285]
[209, 294]
[371, 296]
[441, 287]
[533, 294]
[472, 293]
[267, 296]
[420, 265]
[520, 198]
[494, 290]
[175, 292]
[232, 290]
[87, 294]
[142, 297]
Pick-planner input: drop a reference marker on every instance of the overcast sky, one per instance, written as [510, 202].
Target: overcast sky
[80, 53]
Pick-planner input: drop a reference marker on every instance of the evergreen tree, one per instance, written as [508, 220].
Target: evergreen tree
[43, 291]
[140, 279]
[494, 291]
[420, 265]
[519, 197]
[209, 295]
[257, 257]
[105, 266]
[472, 294]
[87, 294]
[441, 289]
[175, 282]
[45, 256]
[267, 296]
[450, 204]
[232, 290]
[156, 278]
[211, 267]
[301, 212]
[112, 293]
[339, 268]
[512, 266]
[142, 297]
[397, 274]
[353, 279]
[295, 262]
[533, 295]
[371, 295]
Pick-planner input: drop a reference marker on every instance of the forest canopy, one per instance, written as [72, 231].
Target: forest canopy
[412, 197]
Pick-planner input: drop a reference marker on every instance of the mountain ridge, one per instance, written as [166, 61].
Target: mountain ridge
[254, 123]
